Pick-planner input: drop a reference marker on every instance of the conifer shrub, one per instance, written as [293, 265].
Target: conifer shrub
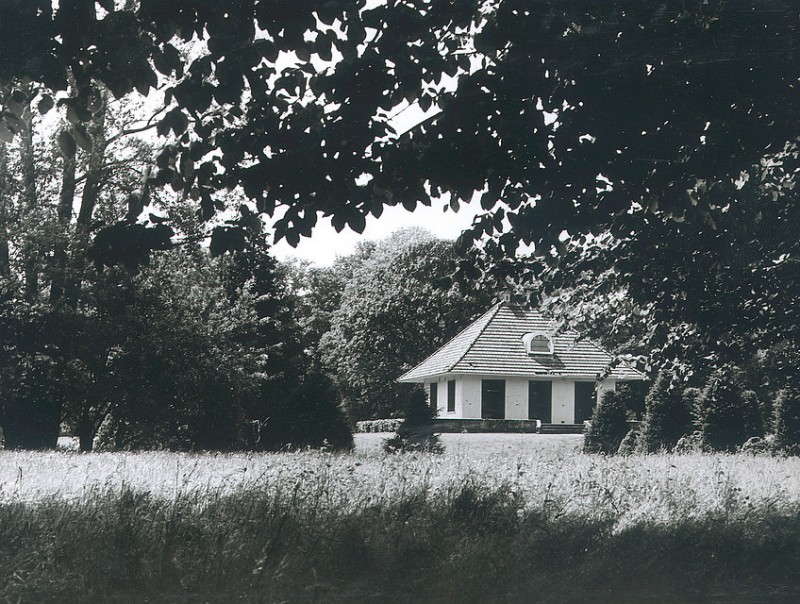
[691, 443]
[728, 419]
[694, 401]
[632, 395]
[757, 445]
[628, 444]
[753, 418]
[787, 421]
[667, 417]
[608, 426]
[416, 433]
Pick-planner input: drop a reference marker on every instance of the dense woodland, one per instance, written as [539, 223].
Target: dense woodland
[636, 163]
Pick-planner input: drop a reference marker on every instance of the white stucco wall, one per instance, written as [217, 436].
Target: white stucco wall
[563, 401]
[517, 398]
[441, 397]
[441, 402]
[468, 398]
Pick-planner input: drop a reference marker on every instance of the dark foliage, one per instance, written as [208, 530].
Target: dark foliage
[668, 416]
[632, 396]
[416, 411]
[787, 421]
[172, 384]
[609, 425]
[30, 412]
[416, 433]
[729, 418]
[292, 404]
[309, 417]
[397, 308]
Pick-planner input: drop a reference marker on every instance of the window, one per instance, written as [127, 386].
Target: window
[540, 401]
[434, 396]
[451, 396]
[493, 399]
[538, 342]
[584, 401]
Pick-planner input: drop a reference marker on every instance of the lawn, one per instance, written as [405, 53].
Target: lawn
[504, 518]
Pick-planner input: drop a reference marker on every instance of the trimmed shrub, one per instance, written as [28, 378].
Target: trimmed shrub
[787, 421]
[759, 446]
[727, 414]
[608, 425]
[632, 396]
[628, 444]
[416, 433]
[417, 439]
[667, 417]
[691, 443]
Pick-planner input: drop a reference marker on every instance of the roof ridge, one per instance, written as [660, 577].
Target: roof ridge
[489, 344]
[492, 310]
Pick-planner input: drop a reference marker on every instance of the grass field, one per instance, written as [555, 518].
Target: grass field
[496, 518]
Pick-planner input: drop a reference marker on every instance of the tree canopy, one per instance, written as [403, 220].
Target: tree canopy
[395, 310]
[648, 148]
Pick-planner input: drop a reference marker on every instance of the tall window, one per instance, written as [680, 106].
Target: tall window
[584, 401]
[493, 399]
[540, 401]
[434, 396]
[451, 396]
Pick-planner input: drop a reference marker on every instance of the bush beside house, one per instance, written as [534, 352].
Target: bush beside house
[729, 417]
[667, 417]
[608, 426]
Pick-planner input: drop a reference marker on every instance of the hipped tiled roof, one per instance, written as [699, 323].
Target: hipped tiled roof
[492, 345]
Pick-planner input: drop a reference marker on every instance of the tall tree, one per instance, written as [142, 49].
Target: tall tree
[292, 404]
[318, 291]
[398, 307]
[635, 120]
[53, 193]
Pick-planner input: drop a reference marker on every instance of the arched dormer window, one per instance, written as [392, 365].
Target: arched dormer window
[538, 342]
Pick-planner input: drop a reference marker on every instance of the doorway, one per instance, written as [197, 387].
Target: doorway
[493, 399]
[540, 401]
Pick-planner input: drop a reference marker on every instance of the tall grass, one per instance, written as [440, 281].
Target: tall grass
[516, 519]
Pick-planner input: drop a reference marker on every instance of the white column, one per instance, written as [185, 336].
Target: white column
[517, 398]
[563, 402]
[468, 394]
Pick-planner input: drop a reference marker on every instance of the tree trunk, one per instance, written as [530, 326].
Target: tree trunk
[5, 257]
[91, 193]
[30, 204]
[86, 433]
[66, 199]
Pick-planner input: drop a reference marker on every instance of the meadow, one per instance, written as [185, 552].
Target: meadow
[495, 518]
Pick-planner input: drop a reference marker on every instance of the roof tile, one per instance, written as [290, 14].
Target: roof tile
[492, 345]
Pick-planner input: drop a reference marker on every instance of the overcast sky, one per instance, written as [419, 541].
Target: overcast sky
[326, 244]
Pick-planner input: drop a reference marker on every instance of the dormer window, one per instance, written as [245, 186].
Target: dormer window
[538, 342]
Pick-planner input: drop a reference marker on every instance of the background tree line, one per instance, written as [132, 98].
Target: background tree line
[193, 350]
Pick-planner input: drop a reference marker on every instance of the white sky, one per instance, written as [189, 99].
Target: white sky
[325, 244]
